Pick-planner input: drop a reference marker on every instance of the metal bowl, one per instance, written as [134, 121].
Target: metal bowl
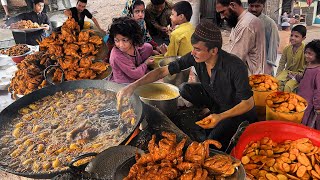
[178, 78]
[166, 100]
[18, 59]
[157, 59]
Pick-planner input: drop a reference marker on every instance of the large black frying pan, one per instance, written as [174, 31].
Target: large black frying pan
[9, 113]
[104, 164]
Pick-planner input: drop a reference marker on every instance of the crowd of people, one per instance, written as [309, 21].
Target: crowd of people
[223, 89]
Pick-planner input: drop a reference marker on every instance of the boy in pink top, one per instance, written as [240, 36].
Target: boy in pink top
[129, 57]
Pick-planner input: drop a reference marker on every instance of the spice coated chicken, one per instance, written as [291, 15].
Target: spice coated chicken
[74, 51]
[167, 160]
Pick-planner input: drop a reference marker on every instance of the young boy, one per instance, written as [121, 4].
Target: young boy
[180, 38]
[158, 17]
[292, 60]
[36, 16]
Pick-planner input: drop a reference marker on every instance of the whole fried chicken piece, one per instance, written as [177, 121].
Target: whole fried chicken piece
[95, 40]
[198, 152]
[72, 52]
[88, 48]
[176, 152]
[67, 35]
[86, 62]
[55, 50]
[221, 165]
[71, 46]
[71, 75]
[135, 172]
[71, 24]
[187, 166]
[87, 74]
[51, 40]
[84, 36]
[99, 67]
[168, 173]
[65, 63]
[57, 75]
[168, 142]
[68, 63]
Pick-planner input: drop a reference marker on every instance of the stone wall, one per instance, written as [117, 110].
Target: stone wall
[272, 9]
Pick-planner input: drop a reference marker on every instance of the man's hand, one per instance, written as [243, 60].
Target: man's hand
[124, 95]
[68, 13]
[45, 27]
[210, 121]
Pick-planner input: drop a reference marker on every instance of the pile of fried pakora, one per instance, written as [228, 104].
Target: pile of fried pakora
[29, 76]
[166, 160]
[24, 24]
[75, 52]
[263, 82]
[16, 50]
[297, 160]
[72, 50]
[286, 102]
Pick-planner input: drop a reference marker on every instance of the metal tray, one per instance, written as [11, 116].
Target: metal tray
[27, 30]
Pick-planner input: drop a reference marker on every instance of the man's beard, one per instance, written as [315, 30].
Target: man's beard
[233, 19]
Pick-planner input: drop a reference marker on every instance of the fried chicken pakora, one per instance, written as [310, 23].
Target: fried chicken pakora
[165, 160]
[72, 50]
[29, 75]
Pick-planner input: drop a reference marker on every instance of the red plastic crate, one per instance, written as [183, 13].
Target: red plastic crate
[278, 131]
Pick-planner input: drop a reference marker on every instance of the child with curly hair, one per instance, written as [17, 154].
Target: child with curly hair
[129, 56]
[309, 87]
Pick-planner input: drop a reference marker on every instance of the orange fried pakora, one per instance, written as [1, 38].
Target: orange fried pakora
[197, 164]
[87, 74]
[86, 62]
[99, 67]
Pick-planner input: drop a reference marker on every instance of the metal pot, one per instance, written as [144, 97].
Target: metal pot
[178, 78]
[166, 105]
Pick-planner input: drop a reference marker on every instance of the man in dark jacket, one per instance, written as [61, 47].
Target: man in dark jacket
[223, 88]
[36, 16]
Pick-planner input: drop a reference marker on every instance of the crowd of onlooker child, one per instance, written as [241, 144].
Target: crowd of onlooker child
[131, 36]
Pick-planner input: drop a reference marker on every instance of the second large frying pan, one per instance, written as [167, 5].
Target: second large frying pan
[9, 113]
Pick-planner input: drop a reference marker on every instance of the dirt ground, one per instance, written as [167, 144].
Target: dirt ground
[105, 10]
